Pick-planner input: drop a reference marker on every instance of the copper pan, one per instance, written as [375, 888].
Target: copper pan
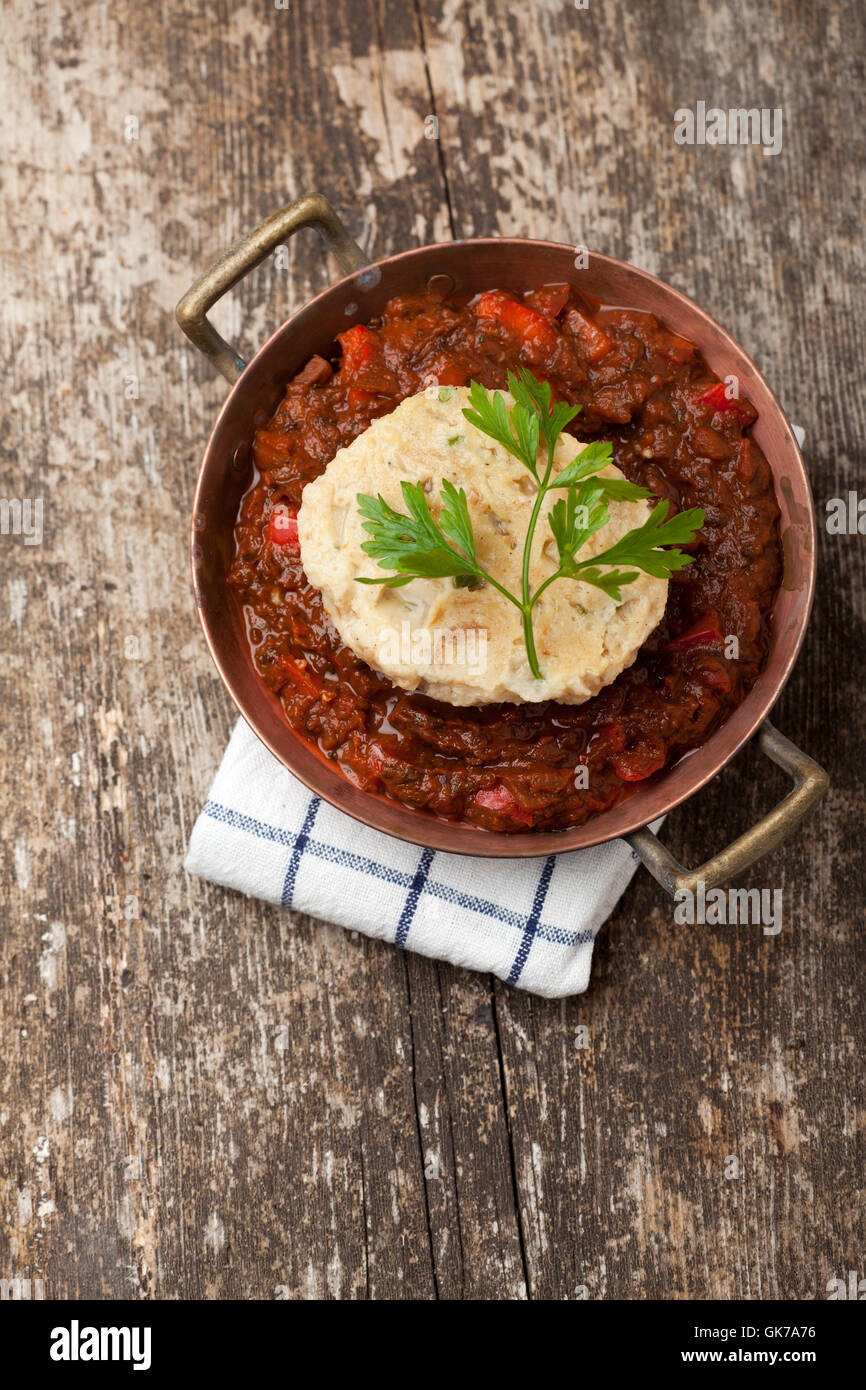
[479, 264]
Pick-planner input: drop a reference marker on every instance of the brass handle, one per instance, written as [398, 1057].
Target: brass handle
[244, 256]
[810, 784]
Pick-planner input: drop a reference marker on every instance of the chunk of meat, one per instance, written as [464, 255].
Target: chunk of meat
[592, 338]
[315, 373]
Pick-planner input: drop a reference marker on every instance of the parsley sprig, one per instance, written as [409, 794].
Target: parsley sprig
[416, 546]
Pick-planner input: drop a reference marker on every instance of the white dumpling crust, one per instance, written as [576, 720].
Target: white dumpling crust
[412, 634]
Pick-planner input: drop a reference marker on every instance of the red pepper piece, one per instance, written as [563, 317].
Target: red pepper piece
[357, 396]
[534, 332]
[716, 398]
[283, 526]
[593, 339]
[706, 632]
[499, 799]
[359, 348]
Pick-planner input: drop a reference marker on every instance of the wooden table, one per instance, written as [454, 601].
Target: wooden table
[202, 1096]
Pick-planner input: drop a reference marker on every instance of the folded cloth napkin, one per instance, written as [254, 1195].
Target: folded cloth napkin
[532, 922]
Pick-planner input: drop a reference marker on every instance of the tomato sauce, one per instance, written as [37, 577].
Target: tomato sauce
[675, 428]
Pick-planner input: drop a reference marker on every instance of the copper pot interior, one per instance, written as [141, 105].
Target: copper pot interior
[475, 266]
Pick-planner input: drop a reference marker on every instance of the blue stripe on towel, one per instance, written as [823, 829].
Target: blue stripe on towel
[298, 851]
[416, 888]
[533, 922]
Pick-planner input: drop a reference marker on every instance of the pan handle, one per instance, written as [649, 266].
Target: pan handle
[810, 784]
[244, 256]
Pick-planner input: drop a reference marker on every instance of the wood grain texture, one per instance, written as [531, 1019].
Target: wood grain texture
[203, 1096]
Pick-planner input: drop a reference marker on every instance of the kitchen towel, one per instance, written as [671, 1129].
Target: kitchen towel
[532, 922]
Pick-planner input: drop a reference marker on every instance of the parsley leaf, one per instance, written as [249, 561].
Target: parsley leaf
[455, 520]
[414, 545]
[536, 397]
[573, 519]
[642, 546]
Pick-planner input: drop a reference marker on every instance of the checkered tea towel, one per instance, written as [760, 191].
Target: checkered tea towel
[532, 922]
